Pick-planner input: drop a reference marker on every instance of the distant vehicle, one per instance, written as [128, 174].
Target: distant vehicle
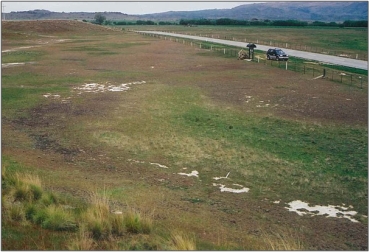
[276, 54]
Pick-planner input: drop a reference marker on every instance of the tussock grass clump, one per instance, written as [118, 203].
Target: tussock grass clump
[96, 217]
[49, 198]
[137, 223]
[58, 219]
[26, 187]
[284, 240]
[83, 241]
[181, 241]
[118, 225]
[16, 212]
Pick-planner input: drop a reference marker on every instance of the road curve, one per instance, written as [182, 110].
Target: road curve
[329, 59]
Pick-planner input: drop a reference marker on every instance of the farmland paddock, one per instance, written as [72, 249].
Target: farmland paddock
[112, 140]
[308, 68]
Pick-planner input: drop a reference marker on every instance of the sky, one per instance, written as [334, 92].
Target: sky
[127, 7]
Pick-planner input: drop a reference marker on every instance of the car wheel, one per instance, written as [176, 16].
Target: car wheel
[277, 58]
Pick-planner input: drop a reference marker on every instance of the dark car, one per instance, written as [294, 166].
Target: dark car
[276, 54]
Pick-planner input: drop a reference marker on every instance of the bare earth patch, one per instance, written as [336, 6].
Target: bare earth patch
[212, 205]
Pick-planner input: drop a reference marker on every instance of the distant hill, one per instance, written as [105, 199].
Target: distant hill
[45, 14]
[304, 11]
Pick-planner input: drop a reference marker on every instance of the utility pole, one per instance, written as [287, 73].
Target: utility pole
[3, 11]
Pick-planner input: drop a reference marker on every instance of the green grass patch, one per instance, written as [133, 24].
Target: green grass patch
[21, 56]
[276, 157]
[38, 80]
[104, 48]
[18, 99]
[339, 152]
[350, 40]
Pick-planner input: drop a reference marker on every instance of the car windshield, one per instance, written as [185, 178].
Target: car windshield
[280, 52]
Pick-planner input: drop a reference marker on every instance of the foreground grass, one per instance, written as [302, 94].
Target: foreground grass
[177, 126]
[85, 226]
[34, 218]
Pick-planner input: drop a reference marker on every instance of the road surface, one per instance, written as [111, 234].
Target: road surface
[329, 59]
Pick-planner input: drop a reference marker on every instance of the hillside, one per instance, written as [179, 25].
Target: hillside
[307, 11]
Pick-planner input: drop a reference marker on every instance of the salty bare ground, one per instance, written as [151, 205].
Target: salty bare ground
[126, 142]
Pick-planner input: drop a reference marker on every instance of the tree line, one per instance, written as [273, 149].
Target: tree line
[100, 19]
[267, 22]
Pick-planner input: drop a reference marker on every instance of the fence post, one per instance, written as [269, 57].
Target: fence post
[224, 50]
[304, 69]
[286, 65]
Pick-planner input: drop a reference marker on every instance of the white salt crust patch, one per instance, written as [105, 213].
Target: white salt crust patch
[193, 173]
[5, 65]
[99, 88]
[302, 208]
[223, 188]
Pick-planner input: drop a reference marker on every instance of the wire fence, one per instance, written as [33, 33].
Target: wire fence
[315, 70]
[300, 47]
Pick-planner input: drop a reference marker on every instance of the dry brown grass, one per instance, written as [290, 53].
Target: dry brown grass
[82, 241]
[181, 241]
[283, 240]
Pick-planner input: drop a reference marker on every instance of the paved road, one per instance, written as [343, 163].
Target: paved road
[360, 64]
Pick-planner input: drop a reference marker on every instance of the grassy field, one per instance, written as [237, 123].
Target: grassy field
[316, 39]
[116, 141]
